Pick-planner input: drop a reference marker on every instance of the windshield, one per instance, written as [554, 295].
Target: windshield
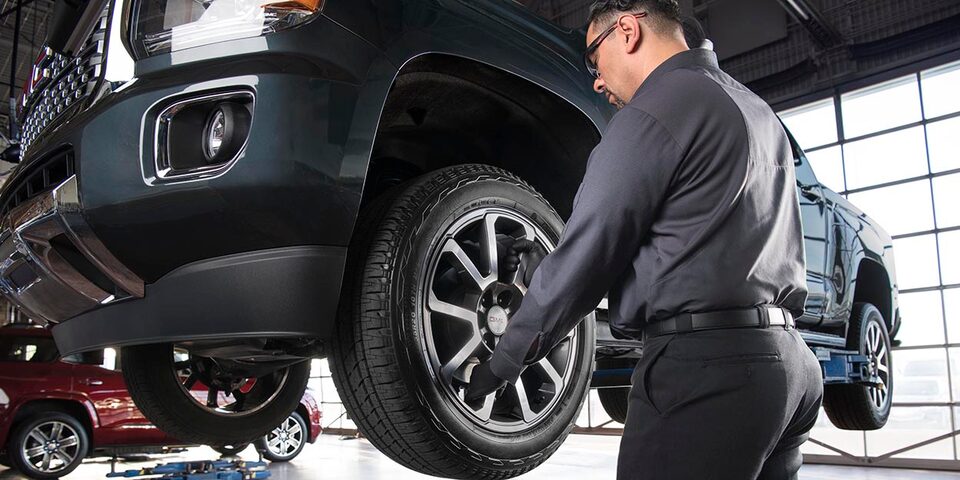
[27, 349]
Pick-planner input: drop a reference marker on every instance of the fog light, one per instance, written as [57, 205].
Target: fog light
[214, 136]
[225, 131]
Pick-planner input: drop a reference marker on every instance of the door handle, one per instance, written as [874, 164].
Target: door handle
[812, 192]
[93, 382]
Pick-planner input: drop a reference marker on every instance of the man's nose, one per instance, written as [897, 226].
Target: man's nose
[599, 86]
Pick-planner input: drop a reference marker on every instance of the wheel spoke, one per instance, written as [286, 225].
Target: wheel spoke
[490, 243]
[39, 436]
[33, 452]
[65, 457]
[69, 441]
[45, 464]
[552, 373]
[57, 430]
[524, 401]
[274, 442]
[439, 306]
[451, 246]
[460, 357]
[487, 408]
[295, 429]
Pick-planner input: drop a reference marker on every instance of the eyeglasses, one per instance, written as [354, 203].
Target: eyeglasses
[595, 44]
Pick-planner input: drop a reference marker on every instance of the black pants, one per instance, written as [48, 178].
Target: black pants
[731, 404]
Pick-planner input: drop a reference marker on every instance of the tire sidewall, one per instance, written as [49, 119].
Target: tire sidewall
[417, 243]
[20, 434]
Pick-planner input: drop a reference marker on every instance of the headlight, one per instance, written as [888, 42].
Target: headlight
[4, 399]
[168, 25]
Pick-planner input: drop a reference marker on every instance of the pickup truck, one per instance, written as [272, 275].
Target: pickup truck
[351, 174]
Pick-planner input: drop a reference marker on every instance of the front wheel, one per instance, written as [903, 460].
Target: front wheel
[49, 445]
[428, 302]
[197, 400]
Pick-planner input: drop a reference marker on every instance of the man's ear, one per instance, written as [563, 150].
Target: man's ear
[630, 26]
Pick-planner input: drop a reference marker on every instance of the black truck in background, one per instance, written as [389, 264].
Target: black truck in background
[275, 181]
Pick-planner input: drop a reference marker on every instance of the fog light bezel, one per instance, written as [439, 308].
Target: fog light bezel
[238, 106]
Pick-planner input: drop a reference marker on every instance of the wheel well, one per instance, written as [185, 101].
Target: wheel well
[873, 286]
[444, 110]
[69, 407]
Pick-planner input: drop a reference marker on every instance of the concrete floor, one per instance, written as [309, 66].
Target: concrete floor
[582, 456]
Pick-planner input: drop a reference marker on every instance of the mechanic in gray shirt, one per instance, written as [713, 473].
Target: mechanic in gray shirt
[688, 216]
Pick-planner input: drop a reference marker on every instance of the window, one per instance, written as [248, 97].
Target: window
[899, 209]
[885, 158]
[812, 125]
[950, 257]
[27, 349]
[946, 199]
[940, 93]
[923, 319]
[916, 259]
[943, 140]
[880, 107]
[828, 165]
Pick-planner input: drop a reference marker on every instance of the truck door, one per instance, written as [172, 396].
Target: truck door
[815, 213]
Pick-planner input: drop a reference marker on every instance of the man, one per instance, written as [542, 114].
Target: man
[688, 216]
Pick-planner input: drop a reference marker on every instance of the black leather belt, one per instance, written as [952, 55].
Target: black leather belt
[759, 317]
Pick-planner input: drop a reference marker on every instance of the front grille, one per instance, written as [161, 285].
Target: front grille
[73, 80]
[41, 178]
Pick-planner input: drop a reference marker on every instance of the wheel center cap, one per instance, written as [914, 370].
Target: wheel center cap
[497, 320]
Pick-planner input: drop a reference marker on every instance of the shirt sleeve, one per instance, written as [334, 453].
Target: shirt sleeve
[627, 178]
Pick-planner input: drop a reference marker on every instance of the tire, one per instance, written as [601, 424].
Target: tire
[157, 389]
[615, 400]
[286, 441]
[230, 450]
[385, 359]
[72, 445]
[863, 407]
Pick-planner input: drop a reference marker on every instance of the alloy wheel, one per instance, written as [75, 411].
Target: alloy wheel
[286, 439]
[51, 446]
[223, 394]
[876, 350]
[467, 303]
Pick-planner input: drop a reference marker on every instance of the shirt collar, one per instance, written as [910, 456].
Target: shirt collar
[693, 58]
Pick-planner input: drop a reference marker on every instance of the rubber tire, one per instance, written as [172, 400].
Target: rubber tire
[615, 400]
[376, 361]
[19, 434]
[262, 442]
[149, 374]
[849, 406]
[230, 450]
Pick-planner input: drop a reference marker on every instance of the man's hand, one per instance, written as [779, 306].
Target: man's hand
[483, 382]
[534, 254]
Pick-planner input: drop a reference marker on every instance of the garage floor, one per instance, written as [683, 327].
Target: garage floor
[582, 456]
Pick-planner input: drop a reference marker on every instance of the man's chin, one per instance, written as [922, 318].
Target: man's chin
[616, 101]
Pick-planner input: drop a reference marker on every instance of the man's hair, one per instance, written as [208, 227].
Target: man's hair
[663, 16]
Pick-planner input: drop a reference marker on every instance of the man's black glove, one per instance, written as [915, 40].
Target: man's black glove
[483, 382]
[534, 254]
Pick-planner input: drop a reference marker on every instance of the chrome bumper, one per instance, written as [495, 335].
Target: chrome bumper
[52, 265]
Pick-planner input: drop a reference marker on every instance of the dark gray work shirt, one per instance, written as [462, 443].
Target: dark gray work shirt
[688, 204]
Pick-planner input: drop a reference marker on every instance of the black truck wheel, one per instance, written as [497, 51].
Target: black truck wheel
[48, 445]
[414, 322]
[615, 399]
[864, 407]
[194, 401]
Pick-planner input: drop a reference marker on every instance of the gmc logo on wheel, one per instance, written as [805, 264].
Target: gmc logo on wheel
[39, 78]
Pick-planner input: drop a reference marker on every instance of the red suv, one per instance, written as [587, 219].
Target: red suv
[56, 411]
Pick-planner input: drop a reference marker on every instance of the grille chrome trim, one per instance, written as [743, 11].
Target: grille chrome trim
[37, 276]
[66, 82]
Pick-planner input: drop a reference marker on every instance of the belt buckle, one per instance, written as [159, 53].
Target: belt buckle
[776, 317]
